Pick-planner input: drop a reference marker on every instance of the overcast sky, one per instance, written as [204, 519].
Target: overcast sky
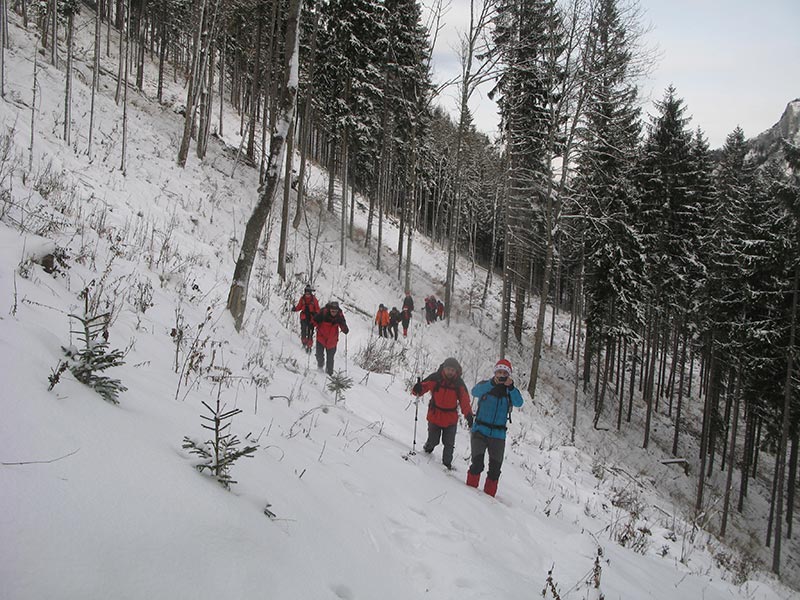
[734, 62]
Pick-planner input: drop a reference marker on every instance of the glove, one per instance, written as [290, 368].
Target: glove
[345, 330]
[417, 389]
[470, 419]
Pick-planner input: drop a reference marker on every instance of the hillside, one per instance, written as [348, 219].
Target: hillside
[102, 500]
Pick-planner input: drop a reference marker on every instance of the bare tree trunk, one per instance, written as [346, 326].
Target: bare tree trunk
[68, 77]
[123, 162]
[287, 187]
[237, 298]
[471, 78]
[650, 381]
[345, 167]
[490, 269]
[95, 77]
[707, 426]
[54, 33]
[306, 128]
[222, 73]
[33, 106]
[578, 310]
[121, 6]
[3, 44]
[792, 482]
[206, 101]
[331, 172]
[731, 465]
[679, 406]
[255, 87]
[784, 440]
[162, 51]
[193, 85]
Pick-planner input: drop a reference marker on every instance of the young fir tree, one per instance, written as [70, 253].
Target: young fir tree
[92, 356]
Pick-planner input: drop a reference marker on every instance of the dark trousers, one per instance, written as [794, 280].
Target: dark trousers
[325, 357]
[496, 447]
[306, 332]
[405, 323]
[393, 330]
[448, 437]
[383, 330]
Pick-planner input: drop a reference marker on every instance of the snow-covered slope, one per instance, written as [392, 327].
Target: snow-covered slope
[101, 501]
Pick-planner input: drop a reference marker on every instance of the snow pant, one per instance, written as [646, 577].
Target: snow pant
[325, 357]
[306, 333]
[383, 330]
[480, 444]
[448, 437]
[393, 330]
[405, 323]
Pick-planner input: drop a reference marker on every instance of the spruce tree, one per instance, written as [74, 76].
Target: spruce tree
[606, 187]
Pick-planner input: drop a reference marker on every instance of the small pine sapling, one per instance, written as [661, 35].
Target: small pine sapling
[85, 363]
[220, 453]
[338, 384]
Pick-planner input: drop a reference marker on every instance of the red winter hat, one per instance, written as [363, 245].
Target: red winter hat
[503, 365]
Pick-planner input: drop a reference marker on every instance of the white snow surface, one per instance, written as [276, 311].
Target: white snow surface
[100, 501]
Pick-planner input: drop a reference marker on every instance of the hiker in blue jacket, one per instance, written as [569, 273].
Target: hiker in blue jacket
[495, 396]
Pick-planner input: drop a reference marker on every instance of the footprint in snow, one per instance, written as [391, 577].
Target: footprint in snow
[342, 591]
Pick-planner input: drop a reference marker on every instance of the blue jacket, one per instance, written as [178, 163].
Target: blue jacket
[493, 405]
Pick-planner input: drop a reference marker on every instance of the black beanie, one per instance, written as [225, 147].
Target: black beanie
[451, 362]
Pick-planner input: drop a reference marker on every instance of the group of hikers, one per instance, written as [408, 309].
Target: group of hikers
[328, 322]
[448, 392]
[434, 309]
[496, 397]
[388, 321]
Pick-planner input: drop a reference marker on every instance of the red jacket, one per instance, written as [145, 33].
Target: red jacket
[328, 327]
[446, 397]
[308, 307]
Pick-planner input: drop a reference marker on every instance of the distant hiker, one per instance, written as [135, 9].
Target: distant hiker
[405, 319]
[439, 310]
[394, 319]
[408, 302]
[448, 393]
[495, 396]
[295, 179]
[430, 309]
[329, 321]
[308, 306]
[382, 319]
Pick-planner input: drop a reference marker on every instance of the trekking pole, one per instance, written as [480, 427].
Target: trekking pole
[345, 354]
[416, 418]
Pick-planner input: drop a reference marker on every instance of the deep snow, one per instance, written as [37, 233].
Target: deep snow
[101, 501]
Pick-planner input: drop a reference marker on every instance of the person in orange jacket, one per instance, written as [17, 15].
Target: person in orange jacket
[329, 321]
[307, 306]
[448, 394]
[382, 319]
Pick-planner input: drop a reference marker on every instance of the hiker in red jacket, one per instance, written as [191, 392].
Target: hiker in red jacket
[448, 393]
[430, 309]
[307, 306]
[329, 321]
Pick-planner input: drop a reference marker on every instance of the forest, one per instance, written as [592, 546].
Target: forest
[678, 264]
